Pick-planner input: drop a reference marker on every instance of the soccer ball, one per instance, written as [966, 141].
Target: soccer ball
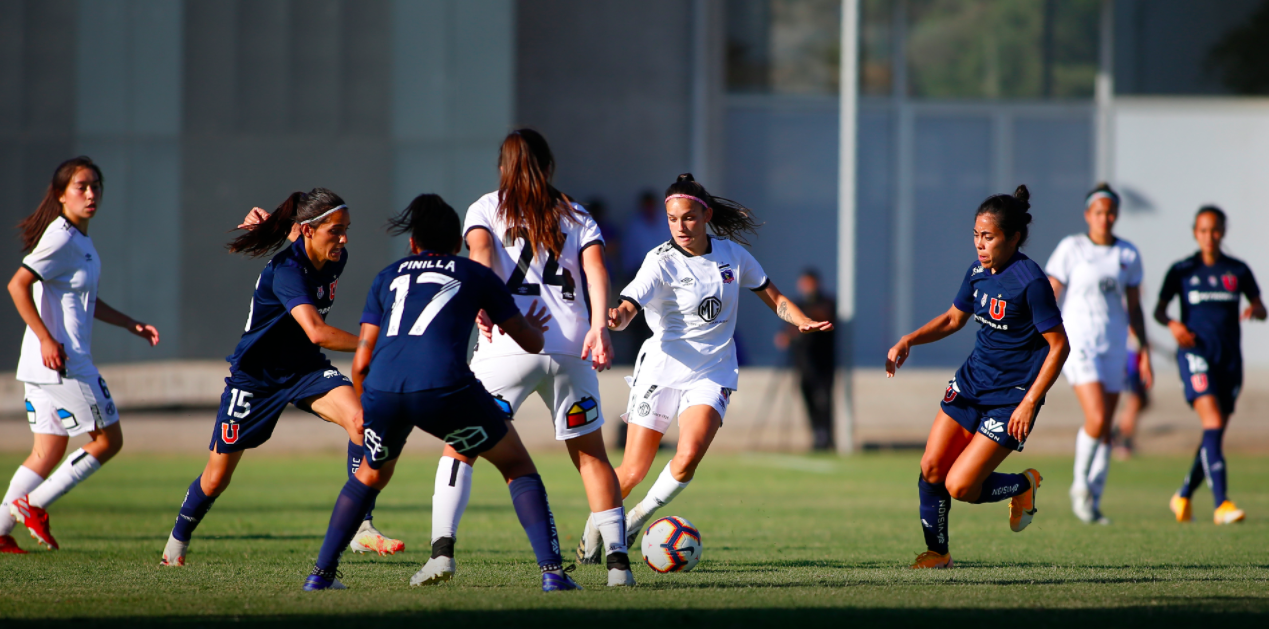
[671, 545]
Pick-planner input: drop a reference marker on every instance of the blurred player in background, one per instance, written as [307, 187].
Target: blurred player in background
[279, 360]
[1095, 275]
[548, 250]
[55, 292]
[1209, 351]
[411, 370]
[992, 402]
[814, 358]
[689, 288]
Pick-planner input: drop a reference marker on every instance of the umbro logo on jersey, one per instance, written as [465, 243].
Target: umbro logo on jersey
[993, 425]
[687, 281]
[709, 309]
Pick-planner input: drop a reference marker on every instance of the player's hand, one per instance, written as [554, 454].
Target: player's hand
[537, 318]
[897, 356]
[1145, 368]
[54, 355]
[617, 319]
[1184, 337]
[1255, 311]
[1021, 420]
[598, 348]
[253, 218]
[145, 331]
[815, 326]
[485, 325]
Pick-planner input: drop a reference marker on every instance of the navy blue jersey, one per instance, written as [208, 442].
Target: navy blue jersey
[1210, 300]
[425, 306]
[1015, 306]
[274, 348]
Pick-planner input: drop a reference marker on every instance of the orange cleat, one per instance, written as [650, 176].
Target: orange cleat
[35, 520]
[369, 539]
[930, 560]
[10, 545]
[1227, 513]
[1022, 507]
[1181, 507]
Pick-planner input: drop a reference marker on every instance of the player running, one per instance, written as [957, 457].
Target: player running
[411, 370]
[689, 288]
[547, 249]
[1099, 274]
[279, 360]
[992, 402]
[1209, 351]
[55, 292]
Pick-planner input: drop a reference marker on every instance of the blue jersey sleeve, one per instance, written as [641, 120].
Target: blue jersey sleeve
[373, 314]
[1044, 309]
[964, 300]
[496, 300]
[1171, 286]
[290, 288]
[1248, 284]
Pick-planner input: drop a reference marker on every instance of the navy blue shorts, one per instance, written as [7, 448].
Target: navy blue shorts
[249, 409]
[989, 421]
[1203, 376]
[464, 416]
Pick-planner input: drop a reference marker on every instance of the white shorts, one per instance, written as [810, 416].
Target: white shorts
[654, 407]
[1085, 366]
[567, 384]
[71, 408]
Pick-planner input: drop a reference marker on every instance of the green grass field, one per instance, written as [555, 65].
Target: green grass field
[787, 539]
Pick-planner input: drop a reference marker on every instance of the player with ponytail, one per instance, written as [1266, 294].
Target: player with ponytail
[689, 288]
[279, 360]
[991, 404]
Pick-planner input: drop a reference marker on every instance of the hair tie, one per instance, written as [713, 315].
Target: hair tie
[1102, 194]
[686, 196]
[324, 215]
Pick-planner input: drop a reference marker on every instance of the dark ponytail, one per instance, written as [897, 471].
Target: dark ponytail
[265, 237]
[431, 222]
[32, 227]
[1010, 212]
[730, 219]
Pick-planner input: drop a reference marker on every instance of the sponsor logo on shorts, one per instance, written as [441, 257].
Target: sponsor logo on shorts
[374, 444]
[583, 412]
[503, 404]
[465, 439]
[651, 389]
[30, 412]
[229, 432]
[110, 408]
[949, 394]
[644, 409]
[333, 373]
[709, 309]
[67, 418]
[993, 425]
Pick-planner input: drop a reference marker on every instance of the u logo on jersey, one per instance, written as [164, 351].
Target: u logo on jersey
[997, 309]
[1230, 281]
[229, 432]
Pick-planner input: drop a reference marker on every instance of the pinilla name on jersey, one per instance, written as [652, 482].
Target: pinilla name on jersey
[412, 265]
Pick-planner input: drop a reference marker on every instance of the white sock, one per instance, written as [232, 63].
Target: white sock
[24, 480]
[663, 491]
[449, 499]
[1098, 471]
[1084, 448]
[612, 527]
[78, 466]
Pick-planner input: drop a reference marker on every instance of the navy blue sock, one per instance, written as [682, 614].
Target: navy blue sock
[193, 509]
[354, 461]
[1195, 477]
[350, 509]
[1214, 462]
[528, 495]
[936, 503]
[1000, 487]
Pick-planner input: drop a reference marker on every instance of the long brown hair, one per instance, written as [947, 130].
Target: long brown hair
[32, 227]
[730, 219]
[299, 207]
[527, 202]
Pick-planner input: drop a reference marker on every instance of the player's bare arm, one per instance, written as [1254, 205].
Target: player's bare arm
[1255, 311]
[480, 248]
[939, 327]
[598, 344]
[321, 334]
[52, 352]
[1024, 415]
[105, 313]
[361, 359]
[789, 311]
[526, 328]
[1058, 287]
[1137, 324]
[621, 316]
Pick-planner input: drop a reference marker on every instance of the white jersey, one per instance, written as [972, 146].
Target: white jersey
[1096, 278]
[690, 303]
[557, 284]
[68, 268]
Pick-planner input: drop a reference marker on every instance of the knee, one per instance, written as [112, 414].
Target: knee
[214, 483]
[959, 489]
[932, 471]
[371, 477]
[630, 477]
[686, 460]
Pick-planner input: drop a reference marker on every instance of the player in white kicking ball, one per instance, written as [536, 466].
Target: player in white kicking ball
[55, 292]
[548, 250]
[689, 288]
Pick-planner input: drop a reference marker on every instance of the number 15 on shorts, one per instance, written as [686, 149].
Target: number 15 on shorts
[239, 407]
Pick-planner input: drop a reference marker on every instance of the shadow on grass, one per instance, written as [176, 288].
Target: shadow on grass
[1165, 612]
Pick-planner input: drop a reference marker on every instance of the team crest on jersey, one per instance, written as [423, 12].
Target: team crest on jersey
[331, 292]
[321, 292]
[709, 309]
[728, 275]
[997, 309]
[229, 432]
[983, 302]
[583, 412]
[1230, 281]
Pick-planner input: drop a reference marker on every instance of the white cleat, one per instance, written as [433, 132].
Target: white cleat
[635, 519]
[1082, 505]
[620, 578]
[590, 548]
[174, 552]
[437, 570]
